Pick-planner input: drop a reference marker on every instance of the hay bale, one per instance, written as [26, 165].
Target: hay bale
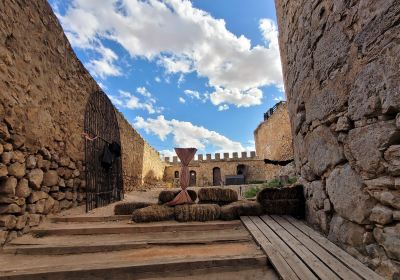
[283, 201]
[127, 208]
[169, 195]
[220, 196]
[197, 212]
[236, 209]
[153, 213]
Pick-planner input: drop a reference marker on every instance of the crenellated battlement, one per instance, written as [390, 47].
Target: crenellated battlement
[217, 157]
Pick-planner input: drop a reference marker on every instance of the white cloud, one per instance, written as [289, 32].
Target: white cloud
[223, 107]
[182, 100]
[186, 134]
[104, 66]
[182, 39]
[157, 79]
[250, 97]
[168, 153]
[181, 80]
[192, 93]
[143, 91]
[126, 99]
[159, 126]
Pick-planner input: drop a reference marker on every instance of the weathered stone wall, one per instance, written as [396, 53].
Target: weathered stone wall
[256, 169]
[273, 137]
[342, 78]
[153, 166]
[43, 92]
[132, 154]
[141, 163]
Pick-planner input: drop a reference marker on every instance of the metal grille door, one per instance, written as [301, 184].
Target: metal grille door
[103, 185]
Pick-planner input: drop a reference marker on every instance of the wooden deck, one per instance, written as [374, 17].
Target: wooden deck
[298, 252]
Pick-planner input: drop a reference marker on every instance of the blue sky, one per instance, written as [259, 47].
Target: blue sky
[198, 73]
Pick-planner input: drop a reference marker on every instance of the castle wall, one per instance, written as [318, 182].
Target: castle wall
[132, 154]
[257, 170]
[43, 93]
[341, 70]
[273, 137]
[153, 166]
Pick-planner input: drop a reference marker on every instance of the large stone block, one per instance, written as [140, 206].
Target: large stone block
[389, 238]
[322, 150]
[8, 221]
[392, 157]
[50, 178]
[3, 170]
[381, 215]
[23, 189]
[10, 209]
[345, 189]
[346, 232]
[388, 197]
[35, 178]
[366, 144]
[17, 169]
[35, 196]
[8, 185]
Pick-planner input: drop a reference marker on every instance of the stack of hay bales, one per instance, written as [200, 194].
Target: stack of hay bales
[168, 195]
[127, 208]
[236, 209]
[153, 213]
[197, 212]
[220, 196]
[283, 201]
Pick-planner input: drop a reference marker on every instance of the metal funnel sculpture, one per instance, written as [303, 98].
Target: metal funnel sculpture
[185, 155]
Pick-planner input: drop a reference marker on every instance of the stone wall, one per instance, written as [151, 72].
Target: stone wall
[256, 169]
[43, 93]
[132, 154]
[342, 78]
[273, 137]
[153, 166]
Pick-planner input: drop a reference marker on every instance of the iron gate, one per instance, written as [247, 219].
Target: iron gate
[104, 185]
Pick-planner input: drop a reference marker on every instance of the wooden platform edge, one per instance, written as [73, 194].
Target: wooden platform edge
[275, 258]
[348, 260]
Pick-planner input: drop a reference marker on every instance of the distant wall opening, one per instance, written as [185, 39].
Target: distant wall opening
[216, 176]
[192, 181]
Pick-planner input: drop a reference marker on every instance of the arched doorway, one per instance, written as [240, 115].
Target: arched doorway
[192, 180]
[176, 174]
[103, 164]
[216, 176]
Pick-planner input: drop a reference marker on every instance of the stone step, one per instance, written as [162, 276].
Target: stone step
[88, 219]
[157, 261]
[124, 228]
[59, 245]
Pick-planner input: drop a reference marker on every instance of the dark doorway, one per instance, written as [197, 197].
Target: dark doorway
[176, 175]
[103, 165]
[216, 176]
[192, 181]
[241, 170]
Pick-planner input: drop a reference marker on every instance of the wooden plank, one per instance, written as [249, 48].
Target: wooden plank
[308, 258]
[277, 261]
[302, 271]
[348, 260]
[333, 263]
